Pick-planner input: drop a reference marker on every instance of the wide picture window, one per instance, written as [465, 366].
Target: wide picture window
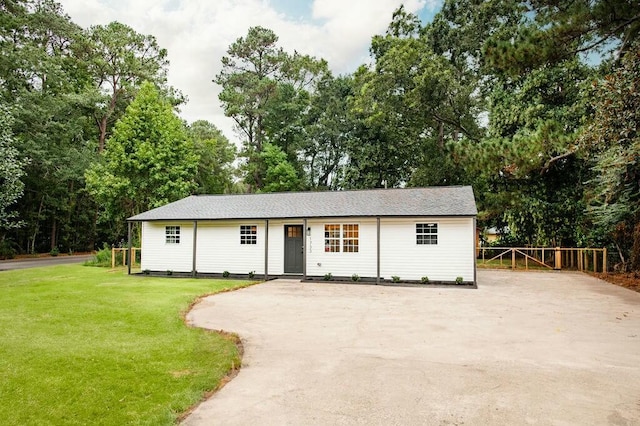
[345, 236]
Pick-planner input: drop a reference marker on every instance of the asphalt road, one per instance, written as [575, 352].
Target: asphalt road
[38, 262]
[537, 348]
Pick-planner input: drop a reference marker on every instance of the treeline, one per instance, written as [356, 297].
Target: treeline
[74, 101]
[535, 104]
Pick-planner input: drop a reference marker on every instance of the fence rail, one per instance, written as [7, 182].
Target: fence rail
[124, 255]
[557, 258]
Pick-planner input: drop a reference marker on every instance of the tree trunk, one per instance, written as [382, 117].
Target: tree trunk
[103, 133]
[32, 249]
[54, 232]
[635, 249]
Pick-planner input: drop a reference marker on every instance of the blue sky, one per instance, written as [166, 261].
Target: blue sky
[197, 33]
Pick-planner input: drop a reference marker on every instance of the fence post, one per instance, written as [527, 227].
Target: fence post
[558, 259]
[586, 260]
[604, 261]
[113, 257]
[513, 259]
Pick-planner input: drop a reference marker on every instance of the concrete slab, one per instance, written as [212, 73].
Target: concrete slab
[524, 348]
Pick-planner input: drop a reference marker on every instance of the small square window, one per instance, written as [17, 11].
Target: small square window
[172, 234]
[248, 234]
[427, 233]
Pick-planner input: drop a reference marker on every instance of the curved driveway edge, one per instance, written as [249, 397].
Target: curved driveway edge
[524, 348]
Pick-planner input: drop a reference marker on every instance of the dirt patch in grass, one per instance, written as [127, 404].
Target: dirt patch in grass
[630, 280]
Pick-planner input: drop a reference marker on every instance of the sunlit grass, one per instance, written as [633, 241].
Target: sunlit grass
[83, 345]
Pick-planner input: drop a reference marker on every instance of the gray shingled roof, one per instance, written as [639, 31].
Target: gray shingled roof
[432, 201]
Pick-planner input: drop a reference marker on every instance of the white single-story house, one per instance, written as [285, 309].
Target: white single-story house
[376, 234]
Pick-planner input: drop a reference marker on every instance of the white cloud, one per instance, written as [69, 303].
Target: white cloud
[197, 33]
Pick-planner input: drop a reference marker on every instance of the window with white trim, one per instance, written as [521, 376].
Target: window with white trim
[332, 238]
[248, 234]
[341, 237]
[427, 233]
[350, 238]
[172, 234]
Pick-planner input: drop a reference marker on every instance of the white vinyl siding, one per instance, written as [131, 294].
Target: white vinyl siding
[160, 255]
[361, 262]
[220, 248]
[451, 257]
[276, 245]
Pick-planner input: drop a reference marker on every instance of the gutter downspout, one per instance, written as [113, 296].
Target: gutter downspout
[129, 226]
[194, 271]
[304, 249]
[475, 265]
[266, 249]
[378, 250]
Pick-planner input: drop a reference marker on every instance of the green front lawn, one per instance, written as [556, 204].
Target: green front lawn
[82, 345]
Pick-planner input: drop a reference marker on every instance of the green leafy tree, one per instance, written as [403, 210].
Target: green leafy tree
[11, 172]
[217, 154]
[408, 105]
[550, 32]
[280, 174]
[44, 86]
[329, 131]
[612, 144]
[118, 60]
[149, 161]
[264, 91]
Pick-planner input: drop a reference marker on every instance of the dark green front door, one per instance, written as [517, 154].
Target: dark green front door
[293, 240]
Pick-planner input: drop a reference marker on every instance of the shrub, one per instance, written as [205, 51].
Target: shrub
[328, 276]
[355, 277]
[251, 274]
[226, 274]
[54, 251]
[146, 272]
[102, 258]
[6, 251]
[395, 278]
[424, 280]
[169, 272]
[459, 280]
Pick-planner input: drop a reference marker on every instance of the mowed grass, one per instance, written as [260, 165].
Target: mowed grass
[82, 345]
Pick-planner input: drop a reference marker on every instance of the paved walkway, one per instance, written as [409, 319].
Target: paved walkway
[524, 348]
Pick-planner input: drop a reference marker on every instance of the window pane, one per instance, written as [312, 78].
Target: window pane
[350, 234]
[248, 234]
[332, 238]
[172, 235]
[427, 233]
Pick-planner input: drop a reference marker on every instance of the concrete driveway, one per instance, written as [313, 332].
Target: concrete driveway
[539, 348]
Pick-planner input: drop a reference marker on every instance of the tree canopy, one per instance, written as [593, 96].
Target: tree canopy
[149, 160]
[534, 103]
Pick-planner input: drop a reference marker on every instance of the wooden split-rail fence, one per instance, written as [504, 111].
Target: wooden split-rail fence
[556, 258]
